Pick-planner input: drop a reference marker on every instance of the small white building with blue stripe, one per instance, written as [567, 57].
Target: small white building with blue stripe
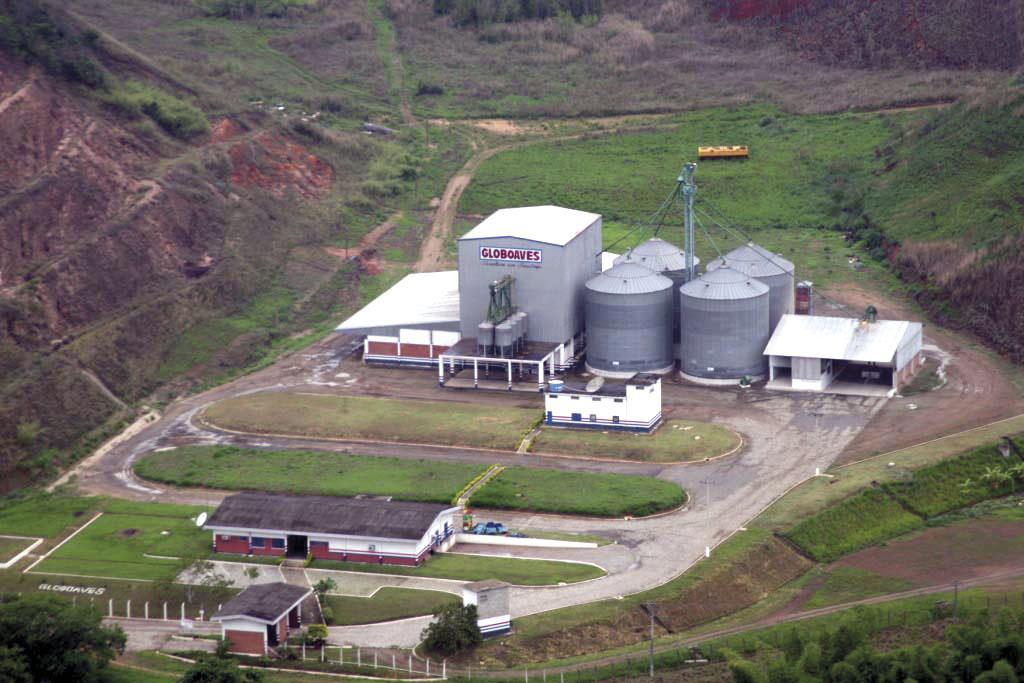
[633, 405]
[491, 597]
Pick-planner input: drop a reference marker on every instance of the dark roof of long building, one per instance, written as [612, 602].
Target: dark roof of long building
[264, 601]
[374, 517]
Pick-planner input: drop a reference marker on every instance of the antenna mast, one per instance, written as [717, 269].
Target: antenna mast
[688, 190]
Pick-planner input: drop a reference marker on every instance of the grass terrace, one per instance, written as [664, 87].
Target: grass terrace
[861, 521]
[578, 493]
[337, 474]
[349, 417]
[310, 472]
[143, 541]
[460, 567]
[674, 441]
[387, 604]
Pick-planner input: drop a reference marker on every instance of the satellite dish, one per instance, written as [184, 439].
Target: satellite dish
[595, 384]
[201, 519]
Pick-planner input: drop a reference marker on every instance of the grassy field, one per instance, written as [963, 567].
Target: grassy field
[477, 568]
[847, 584]
[943, 487]
[782, 194]
[333, 474]
[675, 441]
[9, 547]
[117, 544]
[578, 493]
[863, 520]
[45, 516]
[440, 422]
[387, 604]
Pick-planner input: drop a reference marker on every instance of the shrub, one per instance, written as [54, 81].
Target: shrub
[453, 630]
[177, 117]
[428, 89]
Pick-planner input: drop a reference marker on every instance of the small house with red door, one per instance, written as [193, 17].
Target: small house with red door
[377, 530]
[261, 616]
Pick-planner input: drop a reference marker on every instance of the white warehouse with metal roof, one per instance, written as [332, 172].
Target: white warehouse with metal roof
[843, 355]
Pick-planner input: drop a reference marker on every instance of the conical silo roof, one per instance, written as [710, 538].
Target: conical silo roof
[753, 260]
[628, 278]
[724, 284]
[658, 255]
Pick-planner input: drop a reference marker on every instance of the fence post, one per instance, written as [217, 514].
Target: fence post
[145, 610]
[374, 659]
[165, 610]
[526, 676]
[359, 656]
[444, 668]
[341, 655]
[128, 608]
[393, 666]
[110, 608]
[183, 611]
[428, 666]
[410, 663]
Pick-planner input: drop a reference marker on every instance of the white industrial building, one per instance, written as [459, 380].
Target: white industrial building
[543, 254]
[491, 597]
[843, 355]
[633, 405]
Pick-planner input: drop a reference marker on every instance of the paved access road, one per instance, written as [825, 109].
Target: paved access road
[788, 436]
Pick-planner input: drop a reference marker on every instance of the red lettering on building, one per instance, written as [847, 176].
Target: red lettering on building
[504, 254]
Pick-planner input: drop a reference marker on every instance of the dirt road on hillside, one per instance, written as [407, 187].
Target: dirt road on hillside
[979, 387]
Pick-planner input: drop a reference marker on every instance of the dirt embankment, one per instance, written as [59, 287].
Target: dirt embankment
[115, 237]
[725, 591]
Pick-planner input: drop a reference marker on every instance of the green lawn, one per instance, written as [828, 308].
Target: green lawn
[578, 493]
[675, 441]
[783, 193]
[477, 568]
[116, 544]
[858, 522]
[9, 547]
[44, 515]
[387, 604]
[333, 474]
[846, 584]
[440, 422]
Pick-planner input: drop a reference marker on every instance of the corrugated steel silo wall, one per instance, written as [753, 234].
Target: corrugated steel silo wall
[679, 279]
[550, 293]
[724, 338]
[633, 329]
[781, 297]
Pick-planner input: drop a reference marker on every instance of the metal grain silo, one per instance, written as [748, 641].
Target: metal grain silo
[628, 314]
[755, 261]
[725, 327]
[503, 339]
[485, 338]
[669, 260]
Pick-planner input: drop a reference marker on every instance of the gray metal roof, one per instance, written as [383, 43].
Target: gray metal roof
[264, 602]
[753, 260]
[549, 224]
[369, 517]
[658, 255]
[418, 299]
[817, 336]
[724, 284]
[628, 278]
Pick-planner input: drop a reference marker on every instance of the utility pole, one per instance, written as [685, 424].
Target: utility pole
[650, 607]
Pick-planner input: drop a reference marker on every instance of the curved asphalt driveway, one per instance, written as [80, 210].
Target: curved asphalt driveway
[788, 436]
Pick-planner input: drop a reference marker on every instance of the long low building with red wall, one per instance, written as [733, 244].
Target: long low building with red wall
[375, 530]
